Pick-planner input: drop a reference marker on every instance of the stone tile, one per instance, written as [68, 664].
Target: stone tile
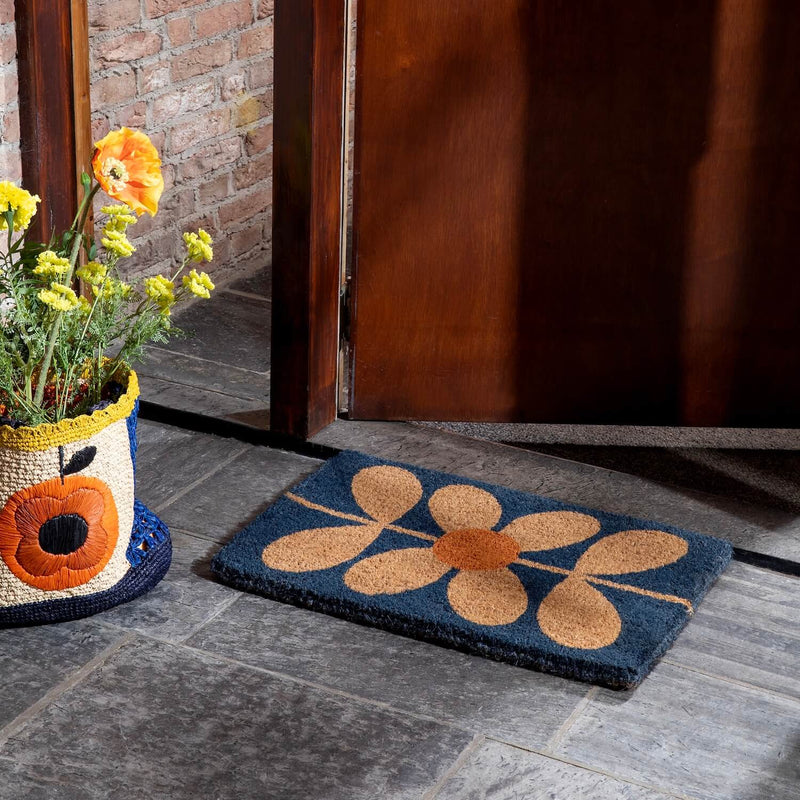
[230, 328]
[193, 372]
[201, 401]
[186, 598]
[38, 658]
[260, 283]
[747, 629]
[159, 721]
[691, 734]
[224, 503]
[506, 702]
[496, 771]
[764, 530]
[169, 459]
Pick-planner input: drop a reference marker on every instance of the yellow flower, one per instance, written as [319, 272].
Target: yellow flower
[119, 217]
[59, 297]
[127, 166]
[84, 305]
[161, 291]
[22, 203]
[51, 265]
[111, 288]
[198, 246]
[94, 273]
[117, 242]
[198, 284]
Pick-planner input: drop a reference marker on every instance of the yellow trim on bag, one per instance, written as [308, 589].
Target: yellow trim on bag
[43, 437]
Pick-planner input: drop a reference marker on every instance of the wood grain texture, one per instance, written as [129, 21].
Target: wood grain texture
[48, 110]
[594, 222]
[307, 215]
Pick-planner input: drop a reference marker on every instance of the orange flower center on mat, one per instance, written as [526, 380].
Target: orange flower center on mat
[476, 548]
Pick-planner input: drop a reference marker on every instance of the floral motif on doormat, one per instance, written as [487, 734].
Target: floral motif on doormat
[489, 570]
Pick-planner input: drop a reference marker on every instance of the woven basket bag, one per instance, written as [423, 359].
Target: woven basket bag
[73, 539]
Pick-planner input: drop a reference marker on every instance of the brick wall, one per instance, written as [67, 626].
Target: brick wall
[10, 166]
[197, 77]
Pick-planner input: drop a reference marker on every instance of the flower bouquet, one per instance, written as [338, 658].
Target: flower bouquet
[73, 540]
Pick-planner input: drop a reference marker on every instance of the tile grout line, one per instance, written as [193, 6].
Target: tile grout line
[172, 382]
[733, 681]
[56, 691]
[208, 361]
[455, 767]
[251, 295]
[595, 770]
[556, 738]
[194, 484]
[223, 607]
[314, 685]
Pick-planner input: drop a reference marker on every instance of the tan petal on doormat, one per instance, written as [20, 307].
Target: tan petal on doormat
[576, 614]
[488, 597]
[395, 571]
[319, 548]
[632, 551]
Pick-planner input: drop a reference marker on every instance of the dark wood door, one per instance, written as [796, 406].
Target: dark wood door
[577, 212]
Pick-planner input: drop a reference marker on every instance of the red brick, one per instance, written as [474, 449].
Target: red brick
[158, 8]
[6, 11]
[133, 116]
[259, 140]
[113, 15]
[245, 207]
[10, 163]
[246, 239]
[262, 73]
[223, 18]
[181, 101]
[215, 190]
[11, 126]
[199, 60]
[9, 87]
[259, 169]
[128, 47]
[210, 158]
[255, 42]
[179, 31]
[208, 126]
[8, 47]
[114, 89]
[153, 77]
[232, 85]
[266, 8]
[100, 127]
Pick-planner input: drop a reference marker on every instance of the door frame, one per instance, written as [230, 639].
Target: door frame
[54, 105]
[308, 158]
[308, 212]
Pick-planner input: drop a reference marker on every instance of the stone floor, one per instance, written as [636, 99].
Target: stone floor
[197, 690]
[222, 367]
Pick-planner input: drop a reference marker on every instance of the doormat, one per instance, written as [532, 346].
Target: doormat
[488, 570]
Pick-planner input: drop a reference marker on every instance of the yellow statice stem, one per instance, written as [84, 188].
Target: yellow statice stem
[83, 212]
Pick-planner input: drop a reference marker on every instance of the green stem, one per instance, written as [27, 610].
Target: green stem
[51, 342]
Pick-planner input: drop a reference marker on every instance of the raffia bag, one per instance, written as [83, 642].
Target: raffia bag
[73, 539]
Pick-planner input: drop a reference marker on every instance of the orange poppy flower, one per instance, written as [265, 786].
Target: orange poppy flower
[127, 166]
[56, 535]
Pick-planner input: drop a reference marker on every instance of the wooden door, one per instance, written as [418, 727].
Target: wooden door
[577, 212]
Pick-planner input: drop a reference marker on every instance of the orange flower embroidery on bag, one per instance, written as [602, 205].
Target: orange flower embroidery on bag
[56, 535]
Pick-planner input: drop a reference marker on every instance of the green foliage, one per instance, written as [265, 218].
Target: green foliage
[57, 347]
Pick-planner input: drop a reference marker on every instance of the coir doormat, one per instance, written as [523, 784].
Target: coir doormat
[512, 576]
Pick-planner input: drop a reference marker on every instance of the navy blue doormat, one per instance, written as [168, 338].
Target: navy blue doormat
[491, 571]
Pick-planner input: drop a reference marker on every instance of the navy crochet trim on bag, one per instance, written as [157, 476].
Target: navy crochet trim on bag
[148, 532]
